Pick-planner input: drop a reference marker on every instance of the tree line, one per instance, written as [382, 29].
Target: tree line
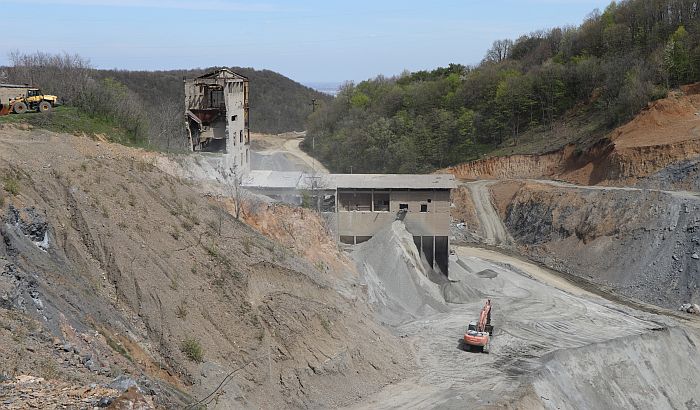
[609, 67]
[149, 105]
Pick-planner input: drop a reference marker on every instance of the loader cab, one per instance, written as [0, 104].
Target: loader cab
[34, 92]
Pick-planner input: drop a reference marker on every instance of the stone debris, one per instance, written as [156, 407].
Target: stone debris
[691, 308]
[30, 392]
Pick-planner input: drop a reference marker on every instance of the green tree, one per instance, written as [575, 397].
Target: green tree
[677, 57]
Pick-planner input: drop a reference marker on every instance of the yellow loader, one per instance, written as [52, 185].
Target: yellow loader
[19, 99]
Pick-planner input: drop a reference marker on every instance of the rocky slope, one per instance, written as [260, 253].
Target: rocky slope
[639, 243]
[109, 267]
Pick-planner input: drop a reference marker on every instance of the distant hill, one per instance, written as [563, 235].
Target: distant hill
[277, 103]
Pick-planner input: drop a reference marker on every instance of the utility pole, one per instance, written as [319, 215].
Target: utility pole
[314, 104]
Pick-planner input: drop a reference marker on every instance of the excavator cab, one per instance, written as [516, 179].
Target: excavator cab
[478, 334]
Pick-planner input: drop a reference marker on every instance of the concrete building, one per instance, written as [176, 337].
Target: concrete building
[363, 204]
[217, 116]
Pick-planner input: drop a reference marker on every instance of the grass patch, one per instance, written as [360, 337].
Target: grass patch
[47, 369]
[217, 255]
[181, 311]
[326, 324]
[11, 185]
[118, 347]
[72, 120]
[192, 349]
[247, 245]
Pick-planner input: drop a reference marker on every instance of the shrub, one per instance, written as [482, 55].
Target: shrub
[181, 311]
[12, 186]
[192, 349]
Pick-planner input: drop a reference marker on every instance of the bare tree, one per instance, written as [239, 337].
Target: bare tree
[232, 179]
[63, 74]
[499, 51]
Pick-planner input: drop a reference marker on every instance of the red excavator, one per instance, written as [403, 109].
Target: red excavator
[479, 333]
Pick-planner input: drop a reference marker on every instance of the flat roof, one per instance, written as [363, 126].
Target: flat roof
[397, 181]
[301, 180]
[273, 179]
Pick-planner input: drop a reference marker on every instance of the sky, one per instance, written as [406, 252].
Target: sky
[306, 40]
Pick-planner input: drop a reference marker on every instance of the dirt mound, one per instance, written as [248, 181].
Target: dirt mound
[398, 279]
[133, 271]
[691, 89]
[668, 121]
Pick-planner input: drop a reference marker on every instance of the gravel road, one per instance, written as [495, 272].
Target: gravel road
[494, 231]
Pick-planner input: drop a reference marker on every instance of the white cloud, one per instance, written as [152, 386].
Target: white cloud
[212, 5]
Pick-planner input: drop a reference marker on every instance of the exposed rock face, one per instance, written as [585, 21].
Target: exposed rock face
[639, 243]
[514, 166]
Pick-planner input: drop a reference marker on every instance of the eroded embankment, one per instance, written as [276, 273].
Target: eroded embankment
[665, 134]
[109, 266]
[639, 243]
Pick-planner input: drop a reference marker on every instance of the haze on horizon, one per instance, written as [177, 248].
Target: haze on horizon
[308, 41]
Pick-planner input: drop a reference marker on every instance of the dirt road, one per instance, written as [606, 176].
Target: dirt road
[282, 153]
[561, 184]
[292, 147]
[494, 231]
[537, 316]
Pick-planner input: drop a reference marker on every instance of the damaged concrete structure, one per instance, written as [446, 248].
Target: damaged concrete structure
[366, 203]
[217, 115]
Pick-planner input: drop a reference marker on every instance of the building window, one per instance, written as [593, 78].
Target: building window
[234, 117]
[424, 207]
[241, 136]
[348, 240]
[355, 201]
[362, 239]
[403, 206]
[381, 202]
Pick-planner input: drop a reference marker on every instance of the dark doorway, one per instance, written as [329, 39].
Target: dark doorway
[428, 249]
[442, 254]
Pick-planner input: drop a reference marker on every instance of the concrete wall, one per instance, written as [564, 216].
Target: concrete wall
[7, 94]
[430, 229]
[434, 222]
[238, 142]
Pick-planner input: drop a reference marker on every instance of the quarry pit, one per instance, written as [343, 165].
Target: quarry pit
[368, 325]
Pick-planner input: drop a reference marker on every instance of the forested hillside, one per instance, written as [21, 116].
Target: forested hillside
[277, 103]
[148, 105]
[538, 92]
